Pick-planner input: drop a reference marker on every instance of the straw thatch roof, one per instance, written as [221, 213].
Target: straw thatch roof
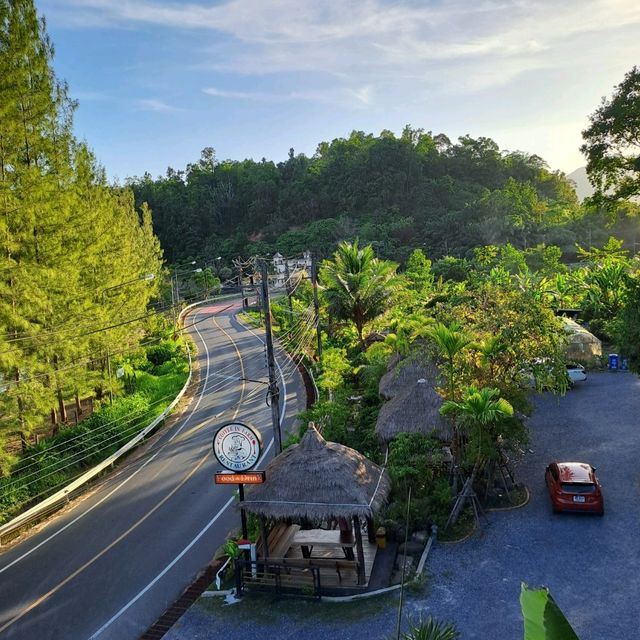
[319, 480]
[403, 373]
[581, 344]
[413, 404]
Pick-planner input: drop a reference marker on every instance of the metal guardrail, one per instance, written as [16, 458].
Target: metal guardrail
[62, 497]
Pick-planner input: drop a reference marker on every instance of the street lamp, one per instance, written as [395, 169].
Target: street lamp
[145, 277]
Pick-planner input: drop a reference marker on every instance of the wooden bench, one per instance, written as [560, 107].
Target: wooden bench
[278, 540]
[321, 563]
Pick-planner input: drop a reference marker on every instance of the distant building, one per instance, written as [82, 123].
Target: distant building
[294, 264]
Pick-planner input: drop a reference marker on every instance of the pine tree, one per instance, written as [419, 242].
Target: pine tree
[73, 250]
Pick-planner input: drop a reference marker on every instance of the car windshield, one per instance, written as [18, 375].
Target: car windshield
[571, 487]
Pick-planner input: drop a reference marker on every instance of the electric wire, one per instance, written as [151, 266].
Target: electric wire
[214, 388]
[102, 356]
[78, 457]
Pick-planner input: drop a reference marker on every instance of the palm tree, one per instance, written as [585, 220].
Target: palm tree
[451, 341]
[479, 410]
[357, 285]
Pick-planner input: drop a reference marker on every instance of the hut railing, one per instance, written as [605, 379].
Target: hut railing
[283, 578]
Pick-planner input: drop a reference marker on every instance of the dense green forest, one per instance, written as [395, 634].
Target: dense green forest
[396, 193]
[78, 263]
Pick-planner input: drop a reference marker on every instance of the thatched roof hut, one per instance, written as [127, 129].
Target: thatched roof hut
[319, 480]
[405, 372]
[581, 344]
[413, 404]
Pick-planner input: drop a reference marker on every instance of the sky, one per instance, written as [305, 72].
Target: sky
[158, 81]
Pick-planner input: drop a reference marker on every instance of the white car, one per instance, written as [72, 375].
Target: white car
[576, 373]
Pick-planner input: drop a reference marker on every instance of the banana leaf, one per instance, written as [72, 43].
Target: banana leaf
[543, 619]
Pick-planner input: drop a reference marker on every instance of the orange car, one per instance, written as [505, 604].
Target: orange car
[573, 486]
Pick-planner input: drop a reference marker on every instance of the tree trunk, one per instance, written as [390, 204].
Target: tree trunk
[63, 409]
[78, 408]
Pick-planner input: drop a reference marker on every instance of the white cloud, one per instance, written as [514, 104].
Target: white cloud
[459, 46]
[243, 95]
[353, 98]
[153, 104]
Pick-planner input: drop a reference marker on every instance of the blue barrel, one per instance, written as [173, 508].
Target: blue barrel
[624, 364]
[613, 361]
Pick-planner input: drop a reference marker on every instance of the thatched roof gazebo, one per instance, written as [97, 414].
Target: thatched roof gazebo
[413, 404]
[320, 481]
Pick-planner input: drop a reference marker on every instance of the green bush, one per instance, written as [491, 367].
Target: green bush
[160, 353]
[54, 462]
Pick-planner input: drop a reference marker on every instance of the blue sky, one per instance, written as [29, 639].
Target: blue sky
[158, 81]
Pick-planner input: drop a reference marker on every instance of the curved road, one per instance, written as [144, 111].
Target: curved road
[109, 566]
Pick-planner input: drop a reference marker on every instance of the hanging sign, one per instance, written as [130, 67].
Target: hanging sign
[237, 446]
[250, 477]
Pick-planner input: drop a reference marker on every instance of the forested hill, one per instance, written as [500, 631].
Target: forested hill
[416, 190]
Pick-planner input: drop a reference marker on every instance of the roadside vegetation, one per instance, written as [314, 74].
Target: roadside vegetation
[152, 378]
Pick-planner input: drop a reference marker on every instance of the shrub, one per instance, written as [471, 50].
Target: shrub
[160, 353]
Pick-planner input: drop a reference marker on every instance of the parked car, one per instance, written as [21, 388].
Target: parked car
[576, 373]
[574, 486]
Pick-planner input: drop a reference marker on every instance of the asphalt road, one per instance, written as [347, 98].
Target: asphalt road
[109, 566]
[590, 563]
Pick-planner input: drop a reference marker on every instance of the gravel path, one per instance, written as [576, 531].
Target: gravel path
[591, 564]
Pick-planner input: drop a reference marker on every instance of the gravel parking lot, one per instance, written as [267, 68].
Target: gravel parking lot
[591, 564]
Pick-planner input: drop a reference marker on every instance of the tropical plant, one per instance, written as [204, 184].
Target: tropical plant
[543, 619]
[357, 286]
[431, 629]
[451, 341]
[478, 412]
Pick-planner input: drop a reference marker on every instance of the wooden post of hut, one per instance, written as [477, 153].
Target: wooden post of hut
[263, 535]
[371, 534]
[359, 549]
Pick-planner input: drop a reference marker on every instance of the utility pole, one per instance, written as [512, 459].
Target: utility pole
[316, 304]
[274, 392]
[287, 284]
[241, 285]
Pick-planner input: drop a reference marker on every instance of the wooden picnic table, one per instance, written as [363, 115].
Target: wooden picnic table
[324, 539]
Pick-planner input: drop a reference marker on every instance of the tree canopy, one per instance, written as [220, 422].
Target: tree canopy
[612, 144]
[396, 193]
[68, 241]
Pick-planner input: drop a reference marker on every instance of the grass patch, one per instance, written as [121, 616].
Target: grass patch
[269, 610]
[461, 529]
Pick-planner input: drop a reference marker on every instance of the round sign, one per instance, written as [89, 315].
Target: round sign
[237, 446]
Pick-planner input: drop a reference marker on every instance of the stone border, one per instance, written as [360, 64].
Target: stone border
[515, 506]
